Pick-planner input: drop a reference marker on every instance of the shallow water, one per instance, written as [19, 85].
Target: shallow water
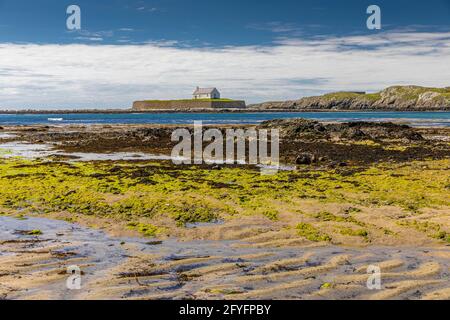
[34, 151]
[93, 243]
[439, 119]
[7, 136]
[100, 251]
[25, 150]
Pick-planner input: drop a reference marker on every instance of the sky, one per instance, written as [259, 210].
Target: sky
[258, 51]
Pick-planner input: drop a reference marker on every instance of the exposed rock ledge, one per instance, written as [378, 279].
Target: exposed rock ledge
[313, 130]
[401, 98]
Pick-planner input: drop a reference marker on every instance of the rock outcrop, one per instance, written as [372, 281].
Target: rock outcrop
[396, 98]
[313, 130]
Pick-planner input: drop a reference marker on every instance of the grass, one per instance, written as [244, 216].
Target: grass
[372, 96]
[406, 93]
[352, 95]
[343, 95]
[190, 100]
[413, 92]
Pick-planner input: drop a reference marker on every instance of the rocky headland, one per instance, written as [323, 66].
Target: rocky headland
[396, 98]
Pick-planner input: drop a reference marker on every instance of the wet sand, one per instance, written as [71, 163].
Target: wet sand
[35, 267]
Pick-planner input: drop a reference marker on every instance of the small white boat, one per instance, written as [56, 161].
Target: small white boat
[55, 119]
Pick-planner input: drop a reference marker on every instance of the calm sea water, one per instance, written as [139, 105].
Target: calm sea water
[413, 118]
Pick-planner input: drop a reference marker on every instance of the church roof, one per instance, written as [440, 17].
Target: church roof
[204, 90]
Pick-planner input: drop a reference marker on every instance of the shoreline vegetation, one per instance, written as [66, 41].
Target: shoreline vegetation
[396, 98]
[358, 194]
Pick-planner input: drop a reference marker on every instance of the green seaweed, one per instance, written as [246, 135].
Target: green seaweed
[326, 285]
[190, 194]
[271, 215]
[147, 230]
[35, 232]
[311, 233]
[355, 233]
[433, 230]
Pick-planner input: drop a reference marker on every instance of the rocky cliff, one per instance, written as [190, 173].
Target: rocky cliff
[402, 98]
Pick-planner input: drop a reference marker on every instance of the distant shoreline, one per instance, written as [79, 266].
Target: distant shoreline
[130, 111]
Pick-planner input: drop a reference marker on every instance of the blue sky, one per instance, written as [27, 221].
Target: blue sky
[253, 50]
[208, 22]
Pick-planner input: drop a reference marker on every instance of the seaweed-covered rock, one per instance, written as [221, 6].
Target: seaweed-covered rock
[305, 158]
[310, 129]
[374, 131]
[296, 127]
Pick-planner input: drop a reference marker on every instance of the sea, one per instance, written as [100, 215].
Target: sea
[417, 119]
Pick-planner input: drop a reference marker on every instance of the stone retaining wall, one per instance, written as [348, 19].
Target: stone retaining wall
[172, 105]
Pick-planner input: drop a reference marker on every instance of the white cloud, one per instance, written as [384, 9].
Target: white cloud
[275, 26]
[147, 9]
[88, 75]
[90, 38]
